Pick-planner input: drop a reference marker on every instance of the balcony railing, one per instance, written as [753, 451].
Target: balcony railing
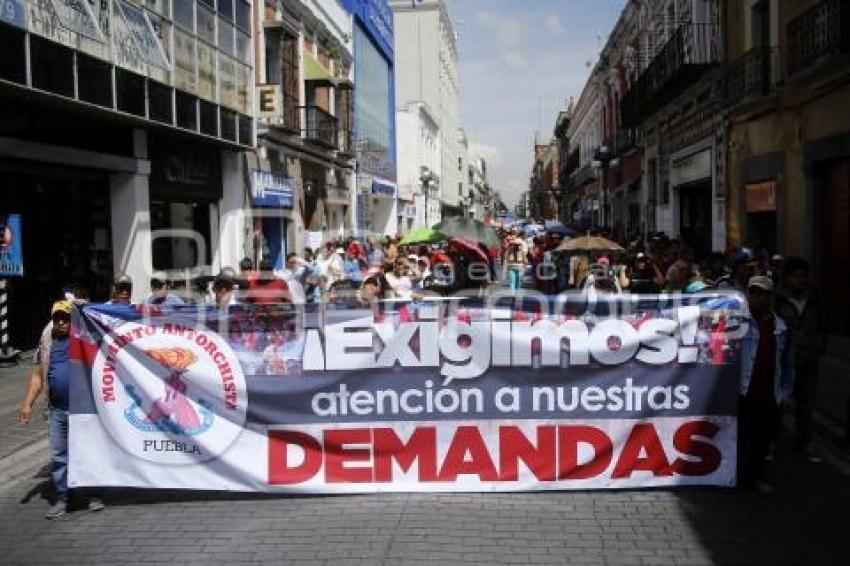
[690, 51]
[817, 33]
[339, 195]
[320, 127]
[750, 76]
[625, 140]
[583, 175]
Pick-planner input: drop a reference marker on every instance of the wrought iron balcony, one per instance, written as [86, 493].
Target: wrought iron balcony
[625, 140]
[751, 76]
[583, 175]
[320, 127]
[686, 56]
[818, 33]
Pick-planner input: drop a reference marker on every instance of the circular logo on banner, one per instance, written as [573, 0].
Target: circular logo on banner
[168, 393]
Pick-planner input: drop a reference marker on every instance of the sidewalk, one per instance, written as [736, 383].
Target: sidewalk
[13, 385]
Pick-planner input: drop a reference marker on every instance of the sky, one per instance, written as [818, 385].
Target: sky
[520, 61]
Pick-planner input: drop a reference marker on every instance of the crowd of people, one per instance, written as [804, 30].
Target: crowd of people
[779, 353]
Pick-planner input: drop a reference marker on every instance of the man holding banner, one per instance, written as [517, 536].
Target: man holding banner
[767, 380]
[462, 397]
[53, 369]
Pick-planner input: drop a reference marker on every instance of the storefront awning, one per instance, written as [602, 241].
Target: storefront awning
[383, 189]
[314, 71]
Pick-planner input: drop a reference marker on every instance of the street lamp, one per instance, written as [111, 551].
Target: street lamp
[426, 178]
[604, 160]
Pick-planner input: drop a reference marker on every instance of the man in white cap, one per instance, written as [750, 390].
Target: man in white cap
[767, 380]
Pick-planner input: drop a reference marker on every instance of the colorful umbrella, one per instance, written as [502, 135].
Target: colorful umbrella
[589, 243]
[423, 236]
[468, 248]
[469, 229]
[556, 227]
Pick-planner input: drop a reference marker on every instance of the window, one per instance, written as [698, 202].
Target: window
[460, 164]
[94, 80]
[374, 108]
[274, 61]
[130, 90]
[243, 46]
[12, 63]
[243, 14]
[760, 23]
[209, 118]
[225, 36]
[246, 129]
[291, 90]
[159, 102]
[52, 66]
[184, 14]
[206, 24]
[228, 125]
[225, 8]
[187, 110]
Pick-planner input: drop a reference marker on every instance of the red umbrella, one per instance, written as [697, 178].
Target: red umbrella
[468, 247]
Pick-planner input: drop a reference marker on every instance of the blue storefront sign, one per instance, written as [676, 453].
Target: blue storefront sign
[13, 12]
[383, 189]
[377, 17]
[11, 246]
[271, 190]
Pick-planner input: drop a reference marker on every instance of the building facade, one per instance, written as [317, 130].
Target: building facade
[419, 157]
[583, 199]
[675, 101]
[427, 74]
[374, 115]
[788, 173]
[121, 132]
[302, 178]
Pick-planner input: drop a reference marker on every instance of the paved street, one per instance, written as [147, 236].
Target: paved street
[803, 523]
[13, 435]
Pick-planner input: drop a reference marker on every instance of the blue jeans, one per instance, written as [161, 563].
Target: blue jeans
[58, 434]
[515, 278]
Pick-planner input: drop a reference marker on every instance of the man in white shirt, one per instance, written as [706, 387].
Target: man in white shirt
[291, 275]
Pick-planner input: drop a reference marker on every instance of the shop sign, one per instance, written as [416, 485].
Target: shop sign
[271, 190]
[148, 45]
[182, 172]
[383, 189]
[761, 197]
[77, 16]
[269, 102]
[11, 246]
[692, 168]
[13, 12]
[377, 18]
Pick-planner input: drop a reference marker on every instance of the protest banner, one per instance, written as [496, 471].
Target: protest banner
[509, 395]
